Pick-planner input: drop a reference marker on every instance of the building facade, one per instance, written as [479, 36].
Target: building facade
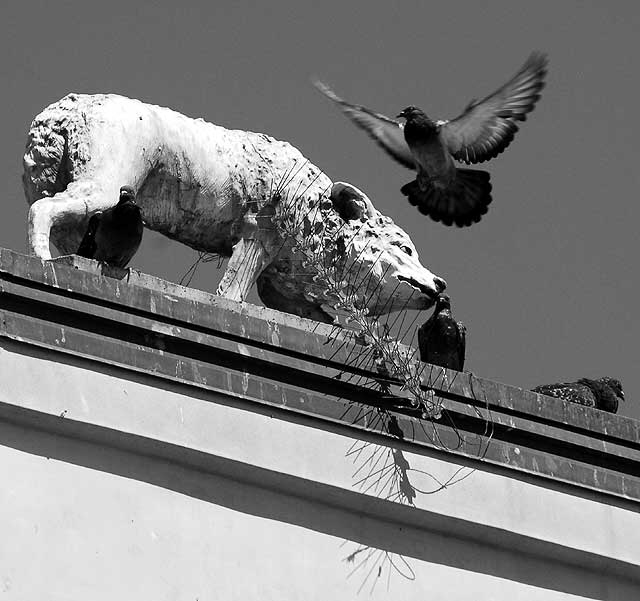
[162, 443]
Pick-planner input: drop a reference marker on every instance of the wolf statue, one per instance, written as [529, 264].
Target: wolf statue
[221, 191]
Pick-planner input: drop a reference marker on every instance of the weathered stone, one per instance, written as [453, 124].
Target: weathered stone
[239, 194]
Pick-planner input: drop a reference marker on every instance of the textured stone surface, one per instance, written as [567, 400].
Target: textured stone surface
[212, 189]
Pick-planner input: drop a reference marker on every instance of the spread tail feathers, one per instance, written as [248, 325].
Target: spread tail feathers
[464, 202]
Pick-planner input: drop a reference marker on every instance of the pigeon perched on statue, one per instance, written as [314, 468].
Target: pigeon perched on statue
[603, 393]
[484, 129]
[113, 236]
[442, 339]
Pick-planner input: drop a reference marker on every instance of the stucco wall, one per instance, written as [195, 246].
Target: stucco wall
[118, 485]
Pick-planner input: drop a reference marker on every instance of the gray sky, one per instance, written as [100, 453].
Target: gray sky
[546, 283]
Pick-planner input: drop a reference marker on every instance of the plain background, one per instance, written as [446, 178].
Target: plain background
[546, 283]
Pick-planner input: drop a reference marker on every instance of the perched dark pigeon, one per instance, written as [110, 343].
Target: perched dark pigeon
[481, 132]
[603, 393]
[114, 235]
[442, 339]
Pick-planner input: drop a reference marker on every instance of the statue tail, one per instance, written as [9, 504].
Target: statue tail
[463, 202]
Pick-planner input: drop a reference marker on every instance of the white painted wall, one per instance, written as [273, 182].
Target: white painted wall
[266, 513]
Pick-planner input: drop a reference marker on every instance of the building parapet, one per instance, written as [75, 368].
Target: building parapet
[289, 366]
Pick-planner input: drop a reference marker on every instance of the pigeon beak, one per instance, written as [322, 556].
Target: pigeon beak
[401, 116]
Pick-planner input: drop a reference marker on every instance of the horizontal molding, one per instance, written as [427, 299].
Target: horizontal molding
[269, 358]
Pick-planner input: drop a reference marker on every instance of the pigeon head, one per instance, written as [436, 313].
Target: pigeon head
[607, 392]
[614, 384]
[416, 118]
[412, 112]
[127, 194]
[443, 302]
[126, 209]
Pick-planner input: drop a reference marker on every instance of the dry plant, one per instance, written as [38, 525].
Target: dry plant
[385, 342]
[385, 345]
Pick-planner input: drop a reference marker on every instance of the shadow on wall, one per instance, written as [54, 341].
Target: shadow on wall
[407, 531]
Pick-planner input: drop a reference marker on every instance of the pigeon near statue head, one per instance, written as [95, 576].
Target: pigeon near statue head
[443, 302]
[485, 128]
[442, 339]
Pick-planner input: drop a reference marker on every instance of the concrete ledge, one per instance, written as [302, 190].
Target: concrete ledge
[285, 363]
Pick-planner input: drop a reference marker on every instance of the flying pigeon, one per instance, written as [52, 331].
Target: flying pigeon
[114, 235]
[442, 339]
[603, 393]
[483, 130]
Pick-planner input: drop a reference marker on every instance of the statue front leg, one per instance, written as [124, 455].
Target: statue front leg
[250, 256]
[40, 222]
[66, 213]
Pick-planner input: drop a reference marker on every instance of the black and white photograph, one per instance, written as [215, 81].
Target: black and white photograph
[306, 300]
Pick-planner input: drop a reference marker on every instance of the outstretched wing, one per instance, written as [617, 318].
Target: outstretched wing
[88, 247]
[387, 132]
[486, 127]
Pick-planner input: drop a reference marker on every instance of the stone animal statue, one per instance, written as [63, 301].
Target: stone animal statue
[216, 190]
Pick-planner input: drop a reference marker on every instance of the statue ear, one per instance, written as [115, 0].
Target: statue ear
[350, 203]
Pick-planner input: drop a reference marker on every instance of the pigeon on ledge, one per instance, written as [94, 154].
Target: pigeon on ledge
[603, 393]
[113, 236]
[481, 132]
[442, 339]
